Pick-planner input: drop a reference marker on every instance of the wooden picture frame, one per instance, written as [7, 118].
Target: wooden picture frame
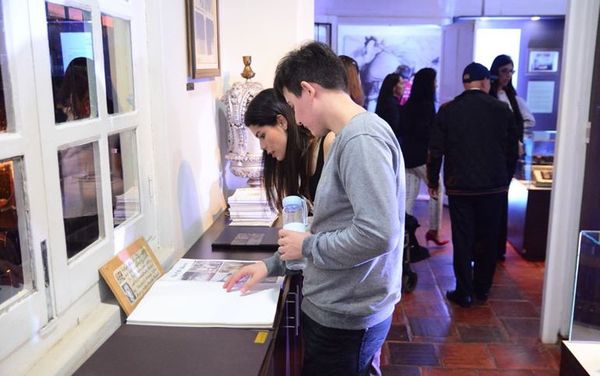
[542, 176]
[202, 18]
[131, 273]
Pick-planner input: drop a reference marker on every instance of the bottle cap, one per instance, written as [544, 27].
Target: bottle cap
[292, 200]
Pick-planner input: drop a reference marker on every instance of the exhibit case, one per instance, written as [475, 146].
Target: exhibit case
[585, 319]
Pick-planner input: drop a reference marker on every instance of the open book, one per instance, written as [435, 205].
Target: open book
[192, 294]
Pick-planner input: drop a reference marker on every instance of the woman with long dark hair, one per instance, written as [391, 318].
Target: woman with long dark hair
[419, 112]
[388, 102]
[501, 73]
[502, 88]
[292, 157]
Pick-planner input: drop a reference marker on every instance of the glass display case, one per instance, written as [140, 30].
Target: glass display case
[585, 318]
[529, 196]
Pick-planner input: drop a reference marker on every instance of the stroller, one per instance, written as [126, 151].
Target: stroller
[413, 252]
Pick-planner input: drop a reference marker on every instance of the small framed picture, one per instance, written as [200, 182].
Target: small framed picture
[543, 61]
[203, 38]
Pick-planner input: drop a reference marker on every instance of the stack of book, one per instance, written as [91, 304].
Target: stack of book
[249, 207]
[128, 204]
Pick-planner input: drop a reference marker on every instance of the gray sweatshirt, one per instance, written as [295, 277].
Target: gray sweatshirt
[354, 272]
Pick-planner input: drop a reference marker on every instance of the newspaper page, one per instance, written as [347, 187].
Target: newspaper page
[207, 270]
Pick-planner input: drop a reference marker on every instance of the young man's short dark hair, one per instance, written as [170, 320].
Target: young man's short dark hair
[312, 62]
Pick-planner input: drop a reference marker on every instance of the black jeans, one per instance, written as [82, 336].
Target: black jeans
[333, 352]
[476, 223]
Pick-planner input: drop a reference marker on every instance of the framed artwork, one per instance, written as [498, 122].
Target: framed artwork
[203, 38]
[383, 49]
[543, 61]
[131, 273]
[542, 176]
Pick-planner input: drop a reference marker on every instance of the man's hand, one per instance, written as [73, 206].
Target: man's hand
[255, 273]
[290, 244]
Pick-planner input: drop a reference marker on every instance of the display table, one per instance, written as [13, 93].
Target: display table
[528, 213]
[155, 350]
[579, 358]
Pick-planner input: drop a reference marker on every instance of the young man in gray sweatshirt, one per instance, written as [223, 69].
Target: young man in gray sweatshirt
[354, 249]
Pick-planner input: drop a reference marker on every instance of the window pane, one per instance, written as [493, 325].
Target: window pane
[15, 272]
[79, 184]
[116, 43]
[124, 176]
[3, 121]
[72, 60]
[4, 94]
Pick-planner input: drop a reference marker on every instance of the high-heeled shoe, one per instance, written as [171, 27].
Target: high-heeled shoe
[432, 236]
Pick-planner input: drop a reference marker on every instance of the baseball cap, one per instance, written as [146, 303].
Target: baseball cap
[475, 72]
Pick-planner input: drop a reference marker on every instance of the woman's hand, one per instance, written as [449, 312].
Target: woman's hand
[253, 273]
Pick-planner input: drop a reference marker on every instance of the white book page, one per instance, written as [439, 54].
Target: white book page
[192, 294]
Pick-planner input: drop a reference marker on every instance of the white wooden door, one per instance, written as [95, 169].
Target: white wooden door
[78, 121]
[25, 300]
[457, 52]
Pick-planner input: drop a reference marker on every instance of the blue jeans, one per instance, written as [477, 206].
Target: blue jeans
[331, 351]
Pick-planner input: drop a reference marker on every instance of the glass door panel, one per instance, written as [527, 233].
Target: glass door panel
[124, 176]
[15, 263]
[80, 187]
[72, 62]
[118, 70]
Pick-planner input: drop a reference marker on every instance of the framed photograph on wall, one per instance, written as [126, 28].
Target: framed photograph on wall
[203, 38]
[543, 61]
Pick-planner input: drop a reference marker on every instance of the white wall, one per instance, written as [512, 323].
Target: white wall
[569, 166]
[189, 130]
[265, 30]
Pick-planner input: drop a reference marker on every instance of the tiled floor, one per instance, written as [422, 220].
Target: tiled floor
[431, 336]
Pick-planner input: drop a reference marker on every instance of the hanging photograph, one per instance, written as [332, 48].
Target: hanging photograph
[543, 61]
[203, 38]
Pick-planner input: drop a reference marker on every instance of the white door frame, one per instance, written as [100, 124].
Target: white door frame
[569, 164]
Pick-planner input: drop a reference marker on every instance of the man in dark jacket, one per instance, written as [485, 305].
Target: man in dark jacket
[476, 136]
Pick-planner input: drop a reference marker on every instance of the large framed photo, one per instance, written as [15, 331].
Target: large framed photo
[203, 38]
[543, 61]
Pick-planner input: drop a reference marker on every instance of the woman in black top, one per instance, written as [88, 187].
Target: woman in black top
[388, 102]
[292, 157]
[418, 115]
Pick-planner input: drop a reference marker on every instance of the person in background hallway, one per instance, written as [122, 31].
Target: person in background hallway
[418, 114]
[476, 136]
[354, 251]
[406, 74]
[388, 103]
[501, 72]
[354, 84]
[292, 158]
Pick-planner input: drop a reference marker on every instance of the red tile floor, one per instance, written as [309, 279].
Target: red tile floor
[430, 336]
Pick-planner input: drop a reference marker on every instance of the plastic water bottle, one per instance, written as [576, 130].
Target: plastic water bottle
[295, 218]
